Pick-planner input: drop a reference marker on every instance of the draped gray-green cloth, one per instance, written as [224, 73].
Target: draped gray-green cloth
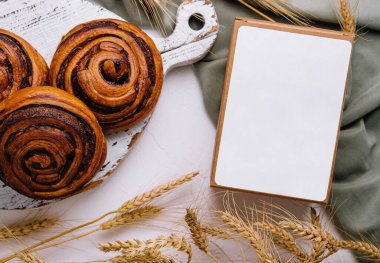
[356, 187]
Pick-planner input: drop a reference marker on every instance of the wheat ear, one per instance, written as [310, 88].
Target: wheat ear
[123, 219]
[154, 254]
[283, 239]
[217, 232]
[23, 230]
[364, 248]
[198, 236]
[29, 258]
[155, 193]
[127, 206]
[119, 245]
[147, 255]
[318, 248]
[316, 235]
[247, 232]
[310, 233]
[347, 19]
[131, 248]
[173, 241]
[141, 259]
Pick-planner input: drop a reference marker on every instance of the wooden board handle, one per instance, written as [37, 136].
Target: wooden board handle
[186, 45]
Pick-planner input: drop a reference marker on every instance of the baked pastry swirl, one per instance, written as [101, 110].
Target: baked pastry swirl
[112, 66]
[51, 144]
[21, 65]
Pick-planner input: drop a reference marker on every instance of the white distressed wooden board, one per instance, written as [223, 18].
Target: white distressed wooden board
[43, 22]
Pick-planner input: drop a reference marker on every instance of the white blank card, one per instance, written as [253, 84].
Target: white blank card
[281, 110]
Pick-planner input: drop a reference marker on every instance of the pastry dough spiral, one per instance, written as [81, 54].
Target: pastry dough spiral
[113, 67]
[51, 144]
[21, 65]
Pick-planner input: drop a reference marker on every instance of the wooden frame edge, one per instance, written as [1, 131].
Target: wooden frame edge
[286, 28]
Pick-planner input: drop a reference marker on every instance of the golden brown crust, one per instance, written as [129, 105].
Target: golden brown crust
[21, 65]
[114, 67]
[51, 144]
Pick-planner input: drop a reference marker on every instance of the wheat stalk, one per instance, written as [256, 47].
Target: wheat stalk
[278, 7]
[215, 231]
[283, 239]
[147, 255]
[310, 233]
[137, 259]
[153, 254]
[247, 232]
[282, 234]
[361, 247]
[119, 245]
[29, 258]
[257, 11]
[318, 248]
[128, 217]
[154, 10]
[316, 234]
[126, 207]
[198, 236]
[117, 221]
[155, 193]
[132, 248]
[315, 219]
[173, 241]
[142, 259]
[346, 18]
[23, 230]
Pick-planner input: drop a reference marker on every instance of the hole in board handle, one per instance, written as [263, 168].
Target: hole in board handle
[197, 22]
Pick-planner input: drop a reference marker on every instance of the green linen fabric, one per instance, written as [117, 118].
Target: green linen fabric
[356, 188]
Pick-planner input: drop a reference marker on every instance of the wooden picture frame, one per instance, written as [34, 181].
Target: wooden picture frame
[322, 33]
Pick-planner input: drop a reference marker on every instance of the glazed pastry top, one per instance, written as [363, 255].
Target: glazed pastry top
[51, 144]
[21, 65]
[113, 67]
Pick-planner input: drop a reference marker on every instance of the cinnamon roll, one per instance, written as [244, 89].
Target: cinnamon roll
[51, 144]
[112, 66]
[21, 65]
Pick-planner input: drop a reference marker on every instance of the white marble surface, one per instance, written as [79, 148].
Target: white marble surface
[179, 139]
